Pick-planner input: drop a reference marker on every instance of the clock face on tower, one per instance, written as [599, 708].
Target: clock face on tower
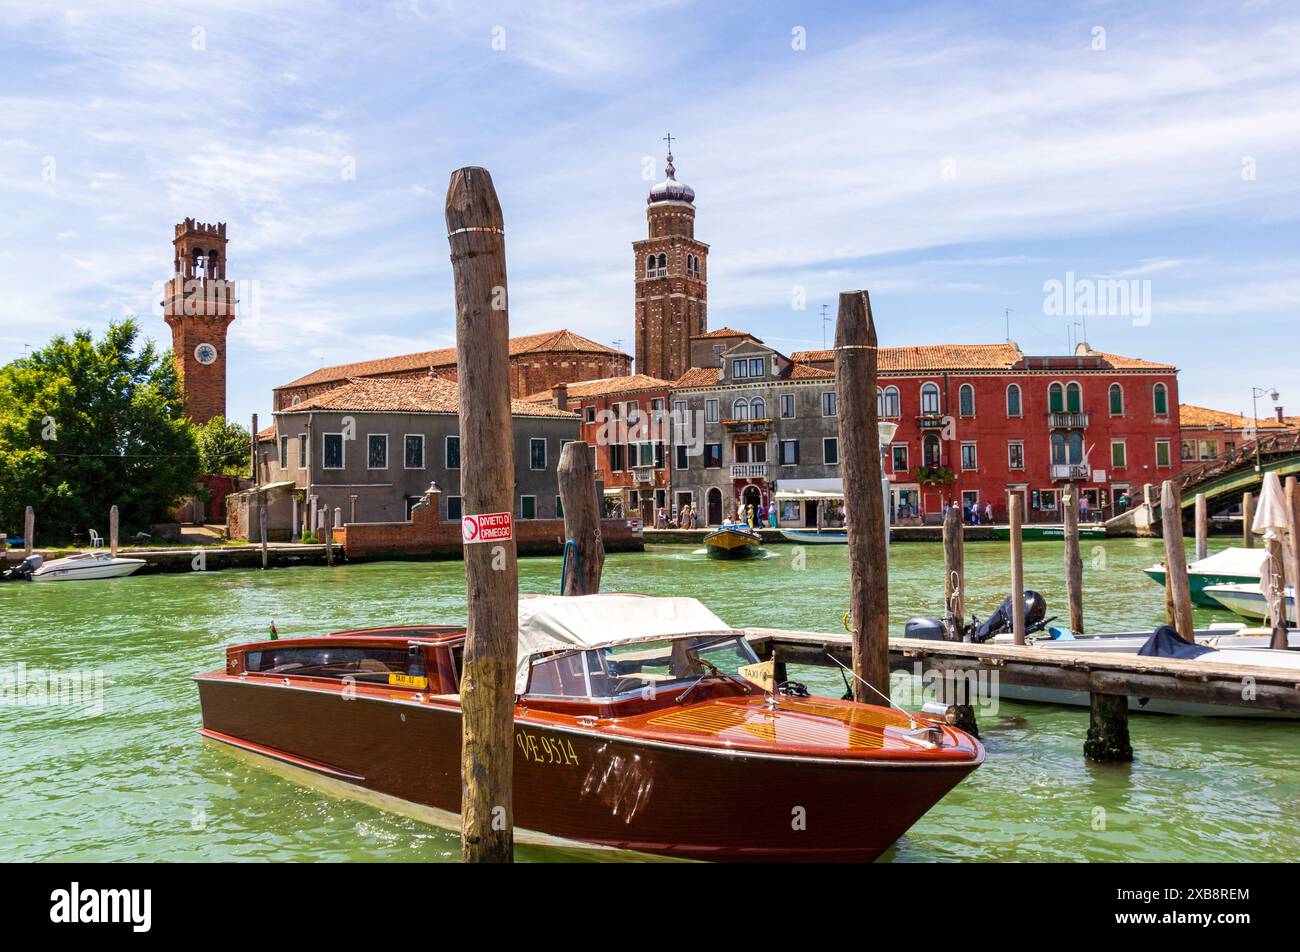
[205, 354]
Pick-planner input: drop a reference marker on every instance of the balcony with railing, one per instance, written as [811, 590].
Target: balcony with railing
[749, 471]
[1059, 420]
[1071, 471]
[930, 421]
[763, 425]
[643, 474]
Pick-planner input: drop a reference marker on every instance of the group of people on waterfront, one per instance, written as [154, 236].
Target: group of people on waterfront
[756, 517]
[686, 518]
[970, 514]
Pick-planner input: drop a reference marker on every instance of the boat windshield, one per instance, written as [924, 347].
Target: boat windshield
[640, 668]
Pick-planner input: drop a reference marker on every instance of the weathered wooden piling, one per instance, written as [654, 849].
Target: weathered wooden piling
[1073, 558]
[1178, 592]
[954, 574]
[252, 453]
[1015, 516]
[476, 234]
[577, 482]
[328, 516]
[1108, 740]
[1202, 527]
[859, 445]
[1247, 517]
[1292, 492]
[952, 690]
[29, 530]
[112, 531]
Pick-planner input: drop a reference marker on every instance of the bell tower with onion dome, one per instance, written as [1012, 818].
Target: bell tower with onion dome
[198, 306]
[671, 279]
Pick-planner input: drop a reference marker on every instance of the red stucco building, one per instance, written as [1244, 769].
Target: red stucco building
[979, 422]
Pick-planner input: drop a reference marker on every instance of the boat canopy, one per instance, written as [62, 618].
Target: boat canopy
[811, 489]
[1231, 561]
[559, 622]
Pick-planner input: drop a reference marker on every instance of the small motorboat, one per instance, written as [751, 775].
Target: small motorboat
[22, 572]
[636, 730]
[817, 536]
[1232, 566]
[733, 542]
[1247, 600]
[87, 565]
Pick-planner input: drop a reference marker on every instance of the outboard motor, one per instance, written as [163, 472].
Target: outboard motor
[22, 572]
[999, 623]
[930, 629]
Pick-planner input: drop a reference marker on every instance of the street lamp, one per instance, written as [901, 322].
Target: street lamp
[1255, 394]
[885, 433]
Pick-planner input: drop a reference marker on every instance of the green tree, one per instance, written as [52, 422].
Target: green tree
[88, 424]
[224, 447]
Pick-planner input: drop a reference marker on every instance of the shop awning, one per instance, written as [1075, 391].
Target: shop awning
[613, 491]
[810, 489]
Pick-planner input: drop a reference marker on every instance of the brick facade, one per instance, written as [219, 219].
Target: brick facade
[198, 305]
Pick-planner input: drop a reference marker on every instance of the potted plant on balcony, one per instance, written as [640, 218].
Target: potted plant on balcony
[934, 475]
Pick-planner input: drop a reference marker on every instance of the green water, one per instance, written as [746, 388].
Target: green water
[135, 782]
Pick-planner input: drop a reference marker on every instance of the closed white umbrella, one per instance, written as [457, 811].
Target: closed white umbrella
[1273, 521]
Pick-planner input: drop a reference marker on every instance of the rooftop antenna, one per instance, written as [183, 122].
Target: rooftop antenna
[1006, 313]
[825, 320]
[618, 343]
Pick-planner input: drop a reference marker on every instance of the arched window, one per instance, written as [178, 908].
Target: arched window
[1073, 398]
[757, 409]
[1013, 400]
[1160, 399]
[740, 410]
[1074, 442]
[930, 450]
[930, 399]
[213, 270]
[891, 402]
[1056, 398]
[966, 400]
[663, 261]
[1116, 400]
[1058, 449]
[880, 402]
[650, 266]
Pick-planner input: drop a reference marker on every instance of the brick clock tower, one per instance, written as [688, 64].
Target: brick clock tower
[198, 306]
[671, 280]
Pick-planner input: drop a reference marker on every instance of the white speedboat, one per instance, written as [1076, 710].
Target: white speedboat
[1233, 644]
[1229, 567]
[88, 565]
[1247, 600]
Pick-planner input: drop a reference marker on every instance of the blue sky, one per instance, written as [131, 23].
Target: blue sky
[950, 158]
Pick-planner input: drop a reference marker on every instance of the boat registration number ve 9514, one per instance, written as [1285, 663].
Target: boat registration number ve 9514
[541, 749]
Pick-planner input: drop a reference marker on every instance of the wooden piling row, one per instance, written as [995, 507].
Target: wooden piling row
[1202, 527]
[1073, 558]
[1247, 517]
[1178, 592]
[577, 484]
[1017, 570]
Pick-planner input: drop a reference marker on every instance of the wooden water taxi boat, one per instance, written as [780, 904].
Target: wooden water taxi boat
[1233, 566]
[733, 542]
[633, 732]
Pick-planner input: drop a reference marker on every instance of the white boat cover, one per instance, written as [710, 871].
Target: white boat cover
[557, 623]
[1231, 561]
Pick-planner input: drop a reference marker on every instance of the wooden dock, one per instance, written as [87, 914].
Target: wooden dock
[1092, 672]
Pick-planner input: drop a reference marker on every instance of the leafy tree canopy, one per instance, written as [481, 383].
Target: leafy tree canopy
[224, 447]
[88, 424]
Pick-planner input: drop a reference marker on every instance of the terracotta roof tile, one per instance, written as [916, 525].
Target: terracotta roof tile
[562, 340]
[698, 377]
[414, 395]
[605, 386]
[1120, 362]
[808, 372]
[935, 357]
[267, 434]
[724, 332]
[1192, 415]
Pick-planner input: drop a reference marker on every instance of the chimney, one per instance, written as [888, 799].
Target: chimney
[1280, 417]
[560, 396]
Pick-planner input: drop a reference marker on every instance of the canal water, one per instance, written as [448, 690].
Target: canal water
[121, 775]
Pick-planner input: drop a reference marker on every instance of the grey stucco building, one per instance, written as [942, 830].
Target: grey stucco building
[372, 447]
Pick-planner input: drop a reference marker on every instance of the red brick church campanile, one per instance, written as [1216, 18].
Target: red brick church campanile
[198, 306]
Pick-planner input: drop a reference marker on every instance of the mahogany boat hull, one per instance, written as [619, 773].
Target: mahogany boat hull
[576, 787]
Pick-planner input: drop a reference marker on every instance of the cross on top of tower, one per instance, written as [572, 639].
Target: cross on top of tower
[669, 168]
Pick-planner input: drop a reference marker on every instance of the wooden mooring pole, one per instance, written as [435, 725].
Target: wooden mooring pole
[859, 445]
[1247, 517]
[577, 482]
[112, 531]
[327, 520]
[476, 233]
[1073, 558]
[1202, 527]
[252, 454]
[1108, 740]
[261, 521]
[1017, 569]
[29, 530]
[952, 690]
[1292, 493]
[1178, 592]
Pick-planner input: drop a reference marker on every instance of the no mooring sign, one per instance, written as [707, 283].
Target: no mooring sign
[488, 527]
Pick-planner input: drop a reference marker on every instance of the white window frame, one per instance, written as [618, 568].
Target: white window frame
[343, 451]
[284, 451]
[407, 436]
[1169, 455]
[907, 458]
[960, 390]
[712, 410]
[369, 437]
[1011, 466]
[794, 405]
[836, 441]
[302, 450]
[1122, 444]
[961, 457]
[938, 399]
[522, 497]
[545, 456]
[834, 402]
[1020, 401]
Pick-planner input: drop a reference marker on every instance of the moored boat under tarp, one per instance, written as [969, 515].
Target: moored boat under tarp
[1234, 565]
[733, 542]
